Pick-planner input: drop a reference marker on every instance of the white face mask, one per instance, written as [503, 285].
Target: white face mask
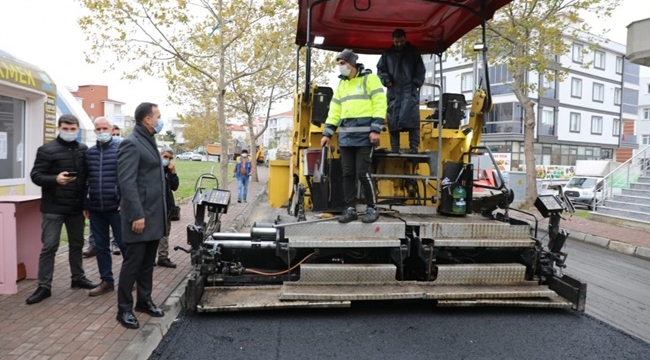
[103, 137]
[68, 136]
[344, 70]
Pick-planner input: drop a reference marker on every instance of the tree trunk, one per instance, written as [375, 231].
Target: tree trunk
[528, 105]
[251, 136]
[223, 134]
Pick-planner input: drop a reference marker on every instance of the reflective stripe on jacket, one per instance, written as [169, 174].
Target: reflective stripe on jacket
[358, 107]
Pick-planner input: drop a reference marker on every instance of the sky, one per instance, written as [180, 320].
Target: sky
[45, 33]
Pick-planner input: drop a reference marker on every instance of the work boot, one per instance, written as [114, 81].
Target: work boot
[39, 295]
[349, 214]
[102, 289]
[166, 263]
[371, 215]
[89, 252]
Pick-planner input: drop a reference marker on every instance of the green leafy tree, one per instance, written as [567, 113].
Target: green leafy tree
[170, 136]
[200, 47]
[527, 36]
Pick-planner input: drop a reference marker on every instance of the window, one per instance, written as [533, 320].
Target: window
[617, 96]
[574, 122]
[598, 93]
[645, 139]
[576, 87]
[616, 130]
[596, 125]
[599, 60]
[648, 89]
[576, 53]
[619, 64]
[466, 82]
[646, 113]
[92, 105]
[548, 85]
[12, 138]
[548, 122]
[500, 75]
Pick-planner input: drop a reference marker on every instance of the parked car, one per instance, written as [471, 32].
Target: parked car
[189, 156]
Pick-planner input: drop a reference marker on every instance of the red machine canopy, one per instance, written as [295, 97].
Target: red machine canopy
[366, 26]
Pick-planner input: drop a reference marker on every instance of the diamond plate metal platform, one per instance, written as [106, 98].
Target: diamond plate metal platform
[352, 274]
[341, 242]
[481, 274]
[222, 299]
[421, 290]
[460, 242]
[555, 303]
[385, 227]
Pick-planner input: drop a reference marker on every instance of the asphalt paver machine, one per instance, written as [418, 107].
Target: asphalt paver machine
[444, 234]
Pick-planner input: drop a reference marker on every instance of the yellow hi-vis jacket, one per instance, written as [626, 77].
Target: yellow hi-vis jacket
[358, 107]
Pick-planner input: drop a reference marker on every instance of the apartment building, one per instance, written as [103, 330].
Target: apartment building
[643, 124]
[278, 131]
[95, 101]
[580, 117]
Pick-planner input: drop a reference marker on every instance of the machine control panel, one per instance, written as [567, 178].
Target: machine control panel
[547, 204]
[217, 197]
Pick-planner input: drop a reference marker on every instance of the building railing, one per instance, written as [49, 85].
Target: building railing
[626, 173]
[504, 127]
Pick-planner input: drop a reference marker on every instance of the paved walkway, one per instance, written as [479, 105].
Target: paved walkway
[72, 325]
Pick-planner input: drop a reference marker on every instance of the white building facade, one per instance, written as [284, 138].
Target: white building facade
[278, 132]
[578, 118]
[643, 124]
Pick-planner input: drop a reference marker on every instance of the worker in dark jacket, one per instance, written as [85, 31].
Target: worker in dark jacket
[401, 71]
[357, 110]
[103, 202]
[60, 171]
[171, 185]
[143, 211]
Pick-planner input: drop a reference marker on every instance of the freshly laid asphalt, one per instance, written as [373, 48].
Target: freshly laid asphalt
[72, 325]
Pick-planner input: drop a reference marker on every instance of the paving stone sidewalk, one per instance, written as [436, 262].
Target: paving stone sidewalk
[72, 325]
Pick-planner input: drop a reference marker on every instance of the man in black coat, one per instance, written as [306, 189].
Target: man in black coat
[401, 71]
[143, 211]
[60, 171]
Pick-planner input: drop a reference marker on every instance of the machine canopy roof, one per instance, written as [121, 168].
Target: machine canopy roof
[366, 26]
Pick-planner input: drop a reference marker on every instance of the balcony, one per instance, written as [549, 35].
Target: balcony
[629, 141]
[504, 127]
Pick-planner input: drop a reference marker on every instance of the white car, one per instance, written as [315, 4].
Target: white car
[189, 156]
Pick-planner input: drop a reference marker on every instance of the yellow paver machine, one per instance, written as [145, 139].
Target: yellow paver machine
[444, 234]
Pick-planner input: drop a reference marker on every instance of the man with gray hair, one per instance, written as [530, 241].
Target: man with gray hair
[171, 185]
[102, 202]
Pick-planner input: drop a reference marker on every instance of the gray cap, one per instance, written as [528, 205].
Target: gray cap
[348, 56]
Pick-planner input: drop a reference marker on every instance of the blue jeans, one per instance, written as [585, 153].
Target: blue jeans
[242, 187]
[51, 237]
[99, 226]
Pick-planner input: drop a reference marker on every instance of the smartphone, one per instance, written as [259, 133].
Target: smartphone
[71, 174]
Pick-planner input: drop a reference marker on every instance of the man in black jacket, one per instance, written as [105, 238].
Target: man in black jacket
[401, 71]
[103, 202]
[143, 211]
[60, 171]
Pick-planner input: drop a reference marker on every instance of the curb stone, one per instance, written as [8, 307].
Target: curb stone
[612, 245]
[152, 332]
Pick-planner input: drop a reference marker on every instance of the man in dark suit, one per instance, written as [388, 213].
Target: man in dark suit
[143, 212]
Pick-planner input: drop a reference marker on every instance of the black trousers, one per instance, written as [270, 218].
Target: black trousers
[356, 162]
[414, 139]
[136, 267]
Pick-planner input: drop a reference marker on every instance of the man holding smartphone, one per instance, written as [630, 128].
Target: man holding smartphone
[60, 171]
